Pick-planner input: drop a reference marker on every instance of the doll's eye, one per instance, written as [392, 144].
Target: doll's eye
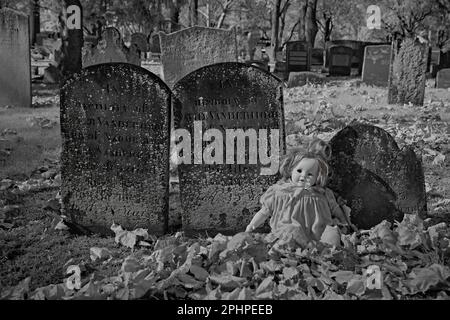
[299, 170]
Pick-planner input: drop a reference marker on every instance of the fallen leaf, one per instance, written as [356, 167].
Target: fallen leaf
[99, 254]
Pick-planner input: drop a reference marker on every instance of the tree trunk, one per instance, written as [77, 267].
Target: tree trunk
[328, 28]
[174, 14]
[225, 11]
[193, 13]
[311, 27]
[36, 21]
[274, 41]
[302, 22]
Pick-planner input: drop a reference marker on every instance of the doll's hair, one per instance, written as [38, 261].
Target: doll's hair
[295, 157]
[320, 147]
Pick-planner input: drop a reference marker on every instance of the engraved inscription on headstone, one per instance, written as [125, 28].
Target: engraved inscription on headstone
[376, 65]
[340, 61]
[379, 181]
[15, 63]
[224, 196]
[443, 79]
[187, 50]
[115, 159]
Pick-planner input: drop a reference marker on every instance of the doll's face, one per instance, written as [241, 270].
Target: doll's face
[305, 173]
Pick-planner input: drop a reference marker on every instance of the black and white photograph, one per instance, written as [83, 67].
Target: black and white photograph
[246, 152]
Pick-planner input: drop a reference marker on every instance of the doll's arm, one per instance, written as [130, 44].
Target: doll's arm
[336, 209]
[258, 219]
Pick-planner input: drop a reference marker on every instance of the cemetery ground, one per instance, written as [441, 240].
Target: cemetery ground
[36, 248]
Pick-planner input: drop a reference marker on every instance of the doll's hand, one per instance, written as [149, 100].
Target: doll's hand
[341, 201]
[250, 228]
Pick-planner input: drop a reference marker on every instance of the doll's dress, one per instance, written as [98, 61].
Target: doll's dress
[299, 213]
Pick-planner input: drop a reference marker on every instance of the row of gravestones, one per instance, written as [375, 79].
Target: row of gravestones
[115, 121]
[371, 60]
[340, 59]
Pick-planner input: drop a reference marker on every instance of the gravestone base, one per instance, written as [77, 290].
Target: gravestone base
[298, 79]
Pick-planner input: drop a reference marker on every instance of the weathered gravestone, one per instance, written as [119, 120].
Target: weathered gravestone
[379, 181]
[340, 61]
[407, 75]
[220, 193]
[115, 158]
[15, 63]
[298, 56]
[187, 50]
[376, 65]
[317, 57]
[110, 49]
[357, 52]
[139, 41]
[443, 79]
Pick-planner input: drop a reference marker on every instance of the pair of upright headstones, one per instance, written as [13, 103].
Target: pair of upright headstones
[115, 121]
[115, 164]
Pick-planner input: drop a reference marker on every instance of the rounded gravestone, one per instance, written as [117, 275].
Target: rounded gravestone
[224, 194]
[115, 161]
[378, 180]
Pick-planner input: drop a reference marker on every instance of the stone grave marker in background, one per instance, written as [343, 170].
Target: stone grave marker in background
[187, 50]
[379, 181]
[317, 57]
[435, 61]
[298, 56]
[340, 61]
[155, 43]
[109, 49]
[115, 160]
[15, 61]
[443, 79]
[139, 40]
[357, 52]
[407, 72]
[224, 197]
[376, 65]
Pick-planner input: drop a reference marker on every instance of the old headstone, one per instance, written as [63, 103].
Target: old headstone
[187, 50]
[357, 52]
[317, 57]
[376, 65]
[140, 41]
[15, 62]
[378, 180]
[340, 61]
[443, 79]
[407, 74]
[72, 38]
[155, 43]
[109, 49]
[223, 195]
[298, 56]
[115, 157]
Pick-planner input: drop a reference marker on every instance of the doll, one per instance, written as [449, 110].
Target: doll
[300, 203]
